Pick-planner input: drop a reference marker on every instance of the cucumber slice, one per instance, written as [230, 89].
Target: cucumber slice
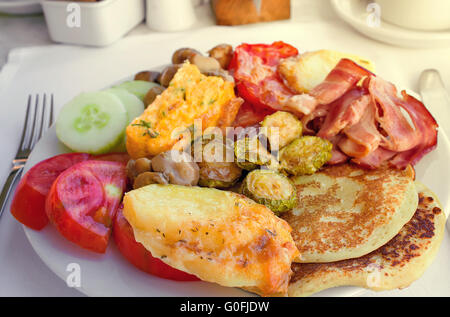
[139, 88]
[92, 122]
[133, 105]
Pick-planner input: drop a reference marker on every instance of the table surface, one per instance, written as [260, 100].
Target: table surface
[40, 281]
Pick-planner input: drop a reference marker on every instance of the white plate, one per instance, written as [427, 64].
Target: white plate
[20, 6]
[111, 274]
[355, 13]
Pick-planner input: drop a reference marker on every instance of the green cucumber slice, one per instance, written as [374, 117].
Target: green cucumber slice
[133, 105]
[92, 122]
[139, 88]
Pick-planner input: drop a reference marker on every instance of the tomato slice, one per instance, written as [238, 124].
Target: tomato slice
[254, 67]
[112, 157]
[28, 204]
[139, 256]
[249, 115]
[83, 201]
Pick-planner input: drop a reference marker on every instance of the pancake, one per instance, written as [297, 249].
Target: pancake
[395, 265]
[345, 212]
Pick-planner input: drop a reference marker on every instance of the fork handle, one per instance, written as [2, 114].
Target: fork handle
[13, 175]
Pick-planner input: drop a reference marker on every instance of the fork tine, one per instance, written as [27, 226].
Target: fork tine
[51, 111]
[27, 118]
[33, 128]
[42, 118]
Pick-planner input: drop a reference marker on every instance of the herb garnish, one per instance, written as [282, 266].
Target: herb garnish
[148, 126]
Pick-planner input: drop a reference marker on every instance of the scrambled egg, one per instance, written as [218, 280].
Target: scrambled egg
[190, 96]
[303, 72]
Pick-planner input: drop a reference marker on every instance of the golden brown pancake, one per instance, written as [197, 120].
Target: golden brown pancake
[345, 212]
[395, 265]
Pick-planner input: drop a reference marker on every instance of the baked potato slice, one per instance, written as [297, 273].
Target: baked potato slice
[219, 236]
[303, 72]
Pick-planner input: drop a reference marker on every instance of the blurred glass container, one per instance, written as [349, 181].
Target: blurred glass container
[170, 15]
[97, 23]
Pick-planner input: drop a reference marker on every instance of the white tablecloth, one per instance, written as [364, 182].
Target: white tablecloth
[67, 70]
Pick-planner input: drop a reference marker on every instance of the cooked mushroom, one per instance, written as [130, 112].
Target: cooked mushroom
[147, 76]
[136, 167]
[204, 63]
[182, 54]
[148, 178]
[167, 74]
[222, 53]
[221, 73]
[152, 94]
[179, 167]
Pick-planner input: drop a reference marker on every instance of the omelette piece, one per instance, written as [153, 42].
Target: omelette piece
[345, 212]
[303, 72]
[395, 265]
[190, 98]
[219, 236]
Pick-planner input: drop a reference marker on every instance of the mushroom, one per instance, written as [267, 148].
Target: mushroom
[179, 167]
[222, 53]
[182, 54]
[148, 178]
[152, 94]
[204, 63]
[167, 74]
[136, 167]
[147, 76]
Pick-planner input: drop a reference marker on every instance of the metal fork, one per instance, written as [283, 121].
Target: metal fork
[38, 119]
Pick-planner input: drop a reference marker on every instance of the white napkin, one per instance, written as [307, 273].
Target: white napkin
[66, 71]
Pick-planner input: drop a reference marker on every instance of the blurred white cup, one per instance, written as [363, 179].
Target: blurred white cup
[417, 14]
[170, 15]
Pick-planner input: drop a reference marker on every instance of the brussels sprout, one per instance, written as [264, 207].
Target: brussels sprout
[271, 189]
[250, 153]
[281, 128]
[305, 155]
[217, 168]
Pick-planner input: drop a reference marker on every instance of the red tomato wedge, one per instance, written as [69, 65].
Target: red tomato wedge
[248, 115]
[112, 157]
[254, 67]
[28, 204]
[139, 256]
[83, 201]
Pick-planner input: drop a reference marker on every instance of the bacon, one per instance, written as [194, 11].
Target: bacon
[341, 79]
[337, 156]
[364, 133]
[375, 158]
[400, 135]
[423, 122]
[346, 111]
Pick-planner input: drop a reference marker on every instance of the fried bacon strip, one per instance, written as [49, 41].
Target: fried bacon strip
[364, 121]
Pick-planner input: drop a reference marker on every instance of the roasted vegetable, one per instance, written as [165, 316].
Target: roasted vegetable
[179, 167]
[305, 155]
[168, 73]
[136, 167]
[216, 169]
[205, 64]
[152, 94]
[182, 54]
[150, 76]
[217, 235]
[223, 53]
[281, 128]
[250, 153]
[148, 178]
[303, 72]
[271, 189]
